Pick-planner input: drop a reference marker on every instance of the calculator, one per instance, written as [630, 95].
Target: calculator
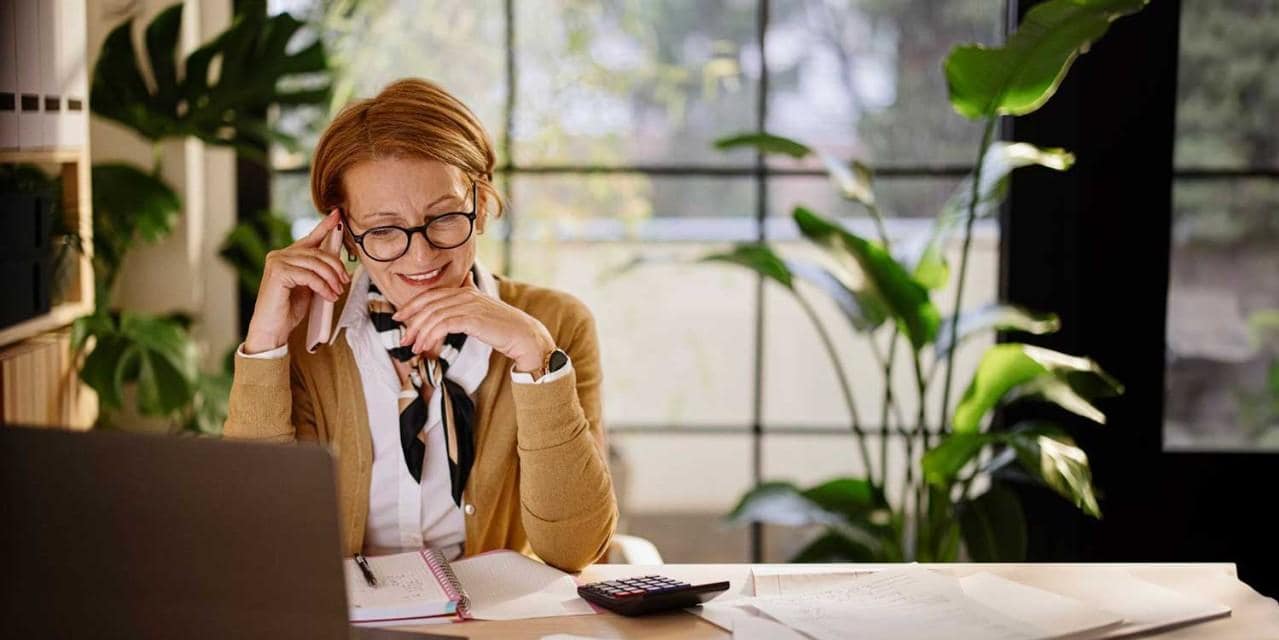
[648, 594]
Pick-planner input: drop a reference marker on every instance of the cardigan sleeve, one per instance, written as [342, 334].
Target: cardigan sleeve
[269, 401]
[566, 493]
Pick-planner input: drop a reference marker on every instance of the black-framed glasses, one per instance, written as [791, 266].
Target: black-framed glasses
[445, 231]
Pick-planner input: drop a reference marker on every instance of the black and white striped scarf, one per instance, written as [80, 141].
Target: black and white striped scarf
[424, 375]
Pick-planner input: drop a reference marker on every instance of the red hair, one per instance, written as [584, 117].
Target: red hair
[411, 118]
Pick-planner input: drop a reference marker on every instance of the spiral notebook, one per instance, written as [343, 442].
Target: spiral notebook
[410, 587]
[421, 587]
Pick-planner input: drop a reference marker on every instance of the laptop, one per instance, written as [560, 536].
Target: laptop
[125, 535]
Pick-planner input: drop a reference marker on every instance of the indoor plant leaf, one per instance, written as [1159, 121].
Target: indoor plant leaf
[127, 204]
[1008, 368]
[924, 254]
[993, 526]
[832, 547]
[863, 309]
[942, 463]
[253, 66]
[764, 143]
[853, 179]
[782, 503]
[1002, 317]
[758, 258]
[1022, 75]
[1049, 454]
[905, 298]
[246, 246]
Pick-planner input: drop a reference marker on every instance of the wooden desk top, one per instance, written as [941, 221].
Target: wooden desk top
[1253, 616]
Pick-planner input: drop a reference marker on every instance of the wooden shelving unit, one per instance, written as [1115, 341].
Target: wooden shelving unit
[77, 206]
[39, 383]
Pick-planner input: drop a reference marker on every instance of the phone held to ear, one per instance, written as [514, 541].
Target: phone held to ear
[320, 318]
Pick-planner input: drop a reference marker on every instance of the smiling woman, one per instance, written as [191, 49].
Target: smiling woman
[463, 408]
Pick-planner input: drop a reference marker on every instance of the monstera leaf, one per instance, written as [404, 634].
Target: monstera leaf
[253, 65]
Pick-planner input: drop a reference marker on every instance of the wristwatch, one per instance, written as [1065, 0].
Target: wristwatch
[554, 361]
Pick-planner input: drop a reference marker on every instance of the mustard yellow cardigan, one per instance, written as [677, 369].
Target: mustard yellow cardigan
[540, 483]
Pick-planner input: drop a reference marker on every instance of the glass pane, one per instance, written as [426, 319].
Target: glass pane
[1227, 90]
[381, 41]
[653, 480]
[918, 198]
[1222, 383]
[863, 79]
[672, 354]
[617, 82]
[633, 207]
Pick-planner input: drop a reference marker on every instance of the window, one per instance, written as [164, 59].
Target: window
[605, 113]
[1222, 388]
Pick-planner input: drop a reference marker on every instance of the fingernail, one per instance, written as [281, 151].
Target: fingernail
[339, 226]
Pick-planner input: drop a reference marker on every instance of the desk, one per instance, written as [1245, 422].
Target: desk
[1253, 617]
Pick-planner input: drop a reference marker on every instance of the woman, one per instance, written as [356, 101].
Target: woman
[463, 408]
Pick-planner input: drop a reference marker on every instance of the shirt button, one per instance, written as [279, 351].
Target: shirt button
[469, 509]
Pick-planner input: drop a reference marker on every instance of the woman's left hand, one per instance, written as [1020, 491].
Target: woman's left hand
[432, 315]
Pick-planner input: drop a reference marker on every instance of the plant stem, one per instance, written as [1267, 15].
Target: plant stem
[844, 385]
[921, 432]
[889, 402]
[963, 269]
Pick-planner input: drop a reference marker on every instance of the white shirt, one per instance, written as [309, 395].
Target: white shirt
[404, 514]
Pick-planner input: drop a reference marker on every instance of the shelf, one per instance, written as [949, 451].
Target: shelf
[58, 317]
[41, 156]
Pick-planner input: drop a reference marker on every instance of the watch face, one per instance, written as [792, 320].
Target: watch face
[558, 360]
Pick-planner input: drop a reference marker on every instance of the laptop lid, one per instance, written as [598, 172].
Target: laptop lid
[116, 534]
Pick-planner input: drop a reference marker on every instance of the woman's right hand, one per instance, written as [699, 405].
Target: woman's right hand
[291, 276]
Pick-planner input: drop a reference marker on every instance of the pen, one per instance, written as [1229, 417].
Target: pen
[364, 568]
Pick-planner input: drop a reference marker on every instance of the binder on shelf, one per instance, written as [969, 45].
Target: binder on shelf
[73, 73]
[27, 41]
[50, 83]
[8, 76]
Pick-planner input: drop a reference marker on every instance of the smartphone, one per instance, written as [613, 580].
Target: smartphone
[320, 317]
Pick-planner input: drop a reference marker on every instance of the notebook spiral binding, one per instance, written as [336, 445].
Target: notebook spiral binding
[443, 573]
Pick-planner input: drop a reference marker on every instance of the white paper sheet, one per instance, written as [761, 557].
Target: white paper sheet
[910, 602]
[505, 585]
[1054, 614]
[1143, 605]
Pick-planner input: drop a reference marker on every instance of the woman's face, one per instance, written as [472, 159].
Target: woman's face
[407, 192]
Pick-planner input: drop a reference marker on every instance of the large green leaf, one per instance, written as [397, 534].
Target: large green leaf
[758, 258]
[128, 204]
[1049, 454]
[833, 547]
[1013, 370]
[994, 526]
[863, 309]
[245, 248]
[764, 143]
[254, 69]
[1022, 75]
[924, 255]
[782, 503]
[1001, 317]
[942, 463]
[153, 352]
[905, 297]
